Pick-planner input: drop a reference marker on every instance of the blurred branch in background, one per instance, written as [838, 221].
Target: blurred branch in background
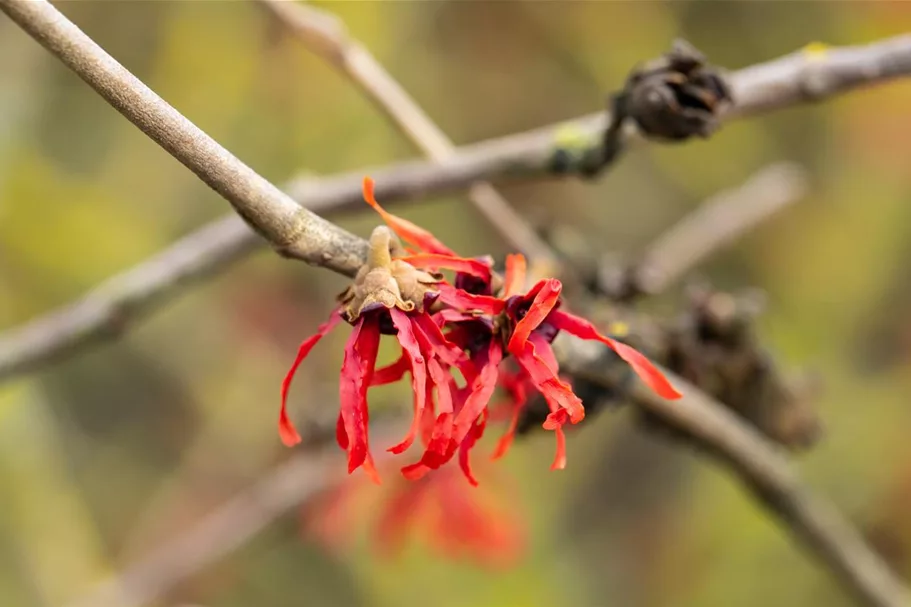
[303, 476]
[710, 338]
[812, 521]
[716, 223]
[760, 88]
[324, 34]
[800, 77]
[106, 311]
[837, 545]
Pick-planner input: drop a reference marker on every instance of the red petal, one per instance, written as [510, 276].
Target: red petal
[558, 394]
[444, 317]
[391, 373]
[560, 456]
[474, 435]
[515, 385]
[505, 441]
[441, 446]
[438, 351]
[286, 430]
[544, 302]
[370, 468]
[555, 421]
[348, 399]
[341, 435]
[514, 281]
[482, 389]
[474, 267]
[406, 230]
[357, 368]
[415, 471]
[447, 351]
[368, 347]
[438, 345]
[429, 419]
[412, 349]
[464, 301]
[583, 329]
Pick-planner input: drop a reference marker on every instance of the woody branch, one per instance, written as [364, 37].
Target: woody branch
[301, 234]
[325, 35]
[124, 298]
[291, 229]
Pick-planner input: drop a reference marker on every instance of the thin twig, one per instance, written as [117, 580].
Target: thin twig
[760, 88]
[799, 77]
[261, 202]
[220, 533]
[293, 230]
[106, 311]
[301, 478]
[324, 34]
[715, 223]
[812, 521]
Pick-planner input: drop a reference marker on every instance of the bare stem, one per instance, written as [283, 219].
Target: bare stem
[301, 478]
[811, 520]
[800, 77]
[760, 88]
[326, 35]
[107, 310]
[221, 532]
[715, 223]
[294, 231]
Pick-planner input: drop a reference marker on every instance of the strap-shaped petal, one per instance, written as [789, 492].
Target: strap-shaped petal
[464, 301]
[357, 369]
[538, 361]
[416, 359]
[482, 389]
[514, 279]
[435, 261]
[474, 435]
[547, 296]
[405, 229]
[518, 397]
[286, 429]
[583, 329]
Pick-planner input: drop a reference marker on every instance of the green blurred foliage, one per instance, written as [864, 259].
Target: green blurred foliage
[103, 456]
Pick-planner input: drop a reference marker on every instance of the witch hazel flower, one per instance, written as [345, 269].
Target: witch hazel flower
[474, 325]
[435, 510]
[387, 296]
[534, 320]
[518, 331]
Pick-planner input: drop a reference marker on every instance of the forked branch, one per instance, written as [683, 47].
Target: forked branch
[294, 231]
[759, 88]
[325, 35]
[302, 234]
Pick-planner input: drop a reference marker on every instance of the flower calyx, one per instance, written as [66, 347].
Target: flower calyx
[385, 283]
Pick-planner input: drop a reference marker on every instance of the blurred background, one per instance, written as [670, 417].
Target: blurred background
[105, 456]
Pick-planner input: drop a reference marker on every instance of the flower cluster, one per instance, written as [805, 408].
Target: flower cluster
[482, 327]
[477, 526]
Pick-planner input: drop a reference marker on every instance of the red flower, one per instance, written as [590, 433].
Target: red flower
[536, 321]
[387, 296]
[454, 523]
[471, 325]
